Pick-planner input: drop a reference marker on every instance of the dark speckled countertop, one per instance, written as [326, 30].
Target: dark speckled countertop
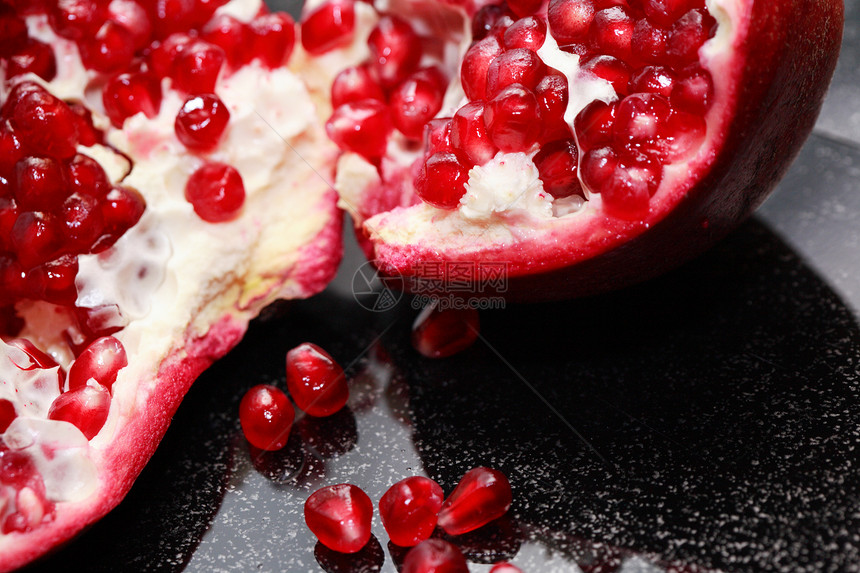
[709, 419]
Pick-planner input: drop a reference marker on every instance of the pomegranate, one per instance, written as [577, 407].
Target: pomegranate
[141, 228]
[586, 144]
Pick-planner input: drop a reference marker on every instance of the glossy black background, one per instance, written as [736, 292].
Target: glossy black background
[707, 419]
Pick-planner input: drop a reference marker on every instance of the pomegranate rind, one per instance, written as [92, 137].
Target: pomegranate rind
[770, 77]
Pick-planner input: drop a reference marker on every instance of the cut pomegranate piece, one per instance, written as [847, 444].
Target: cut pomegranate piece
[201, 122]
[101, 361]
[434, 556]
[328, 26]
[216, 192]
[409, 510]
[339, 516]
[315, 380]
[86, 407]
[395, 50]
[266, 415]
[441, 333]
[483, 494]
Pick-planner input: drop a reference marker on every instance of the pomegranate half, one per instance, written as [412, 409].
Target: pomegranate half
[580, 145]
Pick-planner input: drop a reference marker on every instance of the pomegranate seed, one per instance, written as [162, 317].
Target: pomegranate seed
[82, 222]
[415, 102]
[201, 122]
[513, 119]
[505, 567]
[274, 36]
[7, 414]
[354, 83]
[42, 122]
[328, 26]
[612, 32]
[693, 90]
[408, 510]
[86, 408]
[339, 516]
[216, 192]
[18, 472]
[361, 127]
[197, 66]
[517, 66]
[121, 209]
[55, 281]
[552, 96]
[100, 361]
[13, 278]
[434, 556]
[597, 167]
[627, 191]
[483, 494]
[41, 184]
[469, 133]
[109, 50]
[36, 237]
[570, 20]
[85, 176]
[437, 136]
[646, 122]
[664, 13]
[232, 36]
[34, 57]
[134, 18]
[266, 415]
[523, 8]
[170, 16]
[88, 135]
[315, 380]
[11, 149]
[442, 333]
[557, 165]
[528, 33]
[162, 55]
[13, 31]
[648, 43]
[395, 50]
[476, 62]
[77, 19]
[687, 36]
[442, 179]
[652, 79]
[594, 124]
[489, 19]
[610, 69]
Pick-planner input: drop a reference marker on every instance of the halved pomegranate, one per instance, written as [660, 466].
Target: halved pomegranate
[584, 144]
[149, 200]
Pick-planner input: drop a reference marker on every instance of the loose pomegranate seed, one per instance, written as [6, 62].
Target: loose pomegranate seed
[54, 281]
[627, 191]
[610, 69]
[86, 176]
[505, 567]
[339, 516]
[86, 408]
[232, 36]
[101, 361]
[612, 32]
[315, 380]
[469, 133]
[201, 122]
[163, 54]
[328, 26]
[274, 36]
[41, 184]
[442, 333]
[442, 179]
[523, 8]
[415, 102]
[216, 192]
[664, 13]
[693, 90]
[594, 124]
[437, 136]
[36, 237]
[517, 66]
[354, 83]
[197, 66]
[557, 165]
[134, 18]
[33, 57]
[489, 19]
[7, 414]
[82, 222]
[552, 96]
[77, 19]
[13, 31]
[652, 79]
[687, 36]
[267, 416]
[648, 43]
[109, 50]
[361, 127]
[408, 510]
[42, 122]
[476, 62]
[121, 209]
[434, 556]
[528, 33]
[483, 494]
[513, 119]
[570, 20]
[395, 50]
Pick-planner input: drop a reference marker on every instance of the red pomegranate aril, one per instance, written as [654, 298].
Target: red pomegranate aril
[523, 8]
[7, 414]
[274, 36]
[687, 36]
[505, 567]
[469, 133]
[557, 165]
[441, 333]
[197, 66]
[42, 122]
[267, 416]
[33, 57]
[613, 70]
[170, 16]
[641, 120]
[82, 222]
[517, 66]
[434, 556]
[395, 50]
[594, 124]
[437, 135]
[476, 63]
[18, 472]
[121, 209]
[86, 176]
[101, 361]
[483, 494]
[612, 32]
[442, 179]
[339, 516]
[77, 19]
[693, 90]
[664, 13]
[55, 281]
[36, 238]
[201, 121]
[109, 50]
[216, 192]
[355, 83]
[88, 135]
[134, 18]
[86, 408]
[232, 36]
[652, 79]
[409, 510]
[528, 33]
[570, 20]
[328, 26]
[41, 184]
[627, 191]
[513, 119]
[487, 19]
[361, 127]
[552, 96]
[163, 54]
[315, 380]
[415, 102]
[13, 279]
[597, 166]
[648, 43]
[13, 32]
[11, 150]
